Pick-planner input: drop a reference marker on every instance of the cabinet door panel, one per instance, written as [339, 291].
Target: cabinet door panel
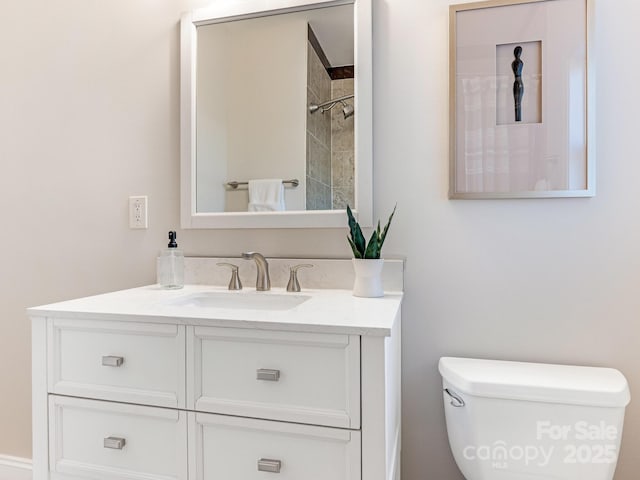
[121, 361]
[92, 439]
[232, 448]
[308, 378]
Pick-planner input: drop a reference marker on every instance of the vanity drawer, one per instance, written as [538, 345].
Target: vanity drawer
[91, 439]
[128, 362]
[308, 378]
[233, 448]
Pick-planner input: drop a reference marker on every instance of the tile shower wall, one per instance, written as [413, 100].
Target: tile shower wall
[342, 148]
[318, 174]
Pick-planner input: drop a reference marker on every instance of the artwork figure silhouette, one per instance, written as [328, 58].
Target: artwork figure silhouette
[518, 85]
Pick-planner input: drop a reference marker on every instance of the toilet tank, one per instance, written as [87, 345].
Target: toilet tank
[526, 421]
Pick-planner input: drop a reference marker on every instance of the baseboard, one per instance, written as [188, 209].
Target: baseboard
[15, 468]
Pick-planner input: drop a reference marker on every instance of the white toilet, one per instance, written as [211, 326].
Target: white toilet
[529, 421]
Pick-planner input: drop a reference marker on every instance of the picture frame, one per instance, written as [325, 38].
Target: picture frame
[522, 99]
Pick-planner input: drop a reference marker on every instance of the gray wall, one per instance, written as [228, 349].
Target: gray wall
[90, 115]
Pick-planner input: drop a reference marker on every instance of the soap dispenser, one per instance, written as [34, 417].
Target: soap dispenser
[171, 265]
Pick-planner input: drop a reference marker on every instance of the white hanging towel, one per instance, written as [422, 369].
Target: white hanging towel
[266, 195]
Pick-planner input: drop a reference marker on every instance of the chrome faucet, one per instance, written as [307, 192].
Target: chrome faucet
[263, 282]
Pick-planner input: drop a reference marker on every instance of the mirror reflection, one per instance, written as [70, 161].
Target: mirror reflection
[275, 113]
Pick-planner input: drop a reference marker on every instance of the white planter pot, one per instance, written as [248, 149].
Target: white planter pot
[368, 281]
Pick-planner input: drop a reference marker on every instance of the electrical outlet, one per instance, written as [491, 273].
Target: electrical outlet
[138, 212]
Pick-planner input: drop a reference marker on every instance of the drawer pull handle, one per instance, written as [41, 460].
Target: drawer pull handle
[268, 374]
[268, 465]
[114, 443]
[111, 361]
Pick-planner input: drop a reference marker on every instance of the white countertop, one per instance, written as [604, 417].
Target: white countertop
[326, 311]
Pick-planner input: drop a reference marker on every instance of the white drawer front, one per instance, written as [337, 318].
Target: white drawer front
[152, 440]
[297, 377]
[120, 361]
[232, 448]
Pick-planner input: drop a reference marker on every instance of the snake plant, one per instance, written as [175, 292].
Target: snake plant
[356, 238]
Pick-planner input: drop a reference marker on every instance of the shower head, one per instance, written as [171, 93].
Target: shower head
[347, 109]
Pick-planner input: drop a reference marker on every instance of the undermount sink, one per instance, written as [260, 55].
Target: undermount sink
[242, 301]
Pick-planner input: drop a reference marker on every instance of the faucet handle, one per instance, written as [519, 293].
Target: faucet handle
[294, 285]
[234, 283]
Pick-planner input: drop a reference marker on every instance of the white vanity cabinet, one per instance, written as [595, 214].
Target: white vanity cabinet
[125, 388]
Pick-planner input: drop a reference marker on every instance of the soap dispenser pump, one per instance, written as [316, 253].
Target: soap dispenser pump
[171, 265]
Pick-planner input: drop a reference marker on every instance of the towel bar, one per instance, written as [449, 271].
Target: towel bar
[234, 185]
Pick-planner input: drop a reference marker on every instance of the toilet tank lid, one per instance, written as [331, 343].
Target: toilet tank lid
[537, 382]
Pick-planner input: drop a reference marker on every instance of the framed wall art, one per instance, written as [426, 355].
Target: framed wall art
[521, 99]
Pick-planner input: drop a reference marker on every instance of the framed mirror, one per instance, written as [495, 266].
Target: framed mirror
[276, 114]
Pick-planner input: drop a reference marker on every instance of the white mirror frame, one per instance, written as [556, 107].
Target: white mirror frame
[227, 10]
